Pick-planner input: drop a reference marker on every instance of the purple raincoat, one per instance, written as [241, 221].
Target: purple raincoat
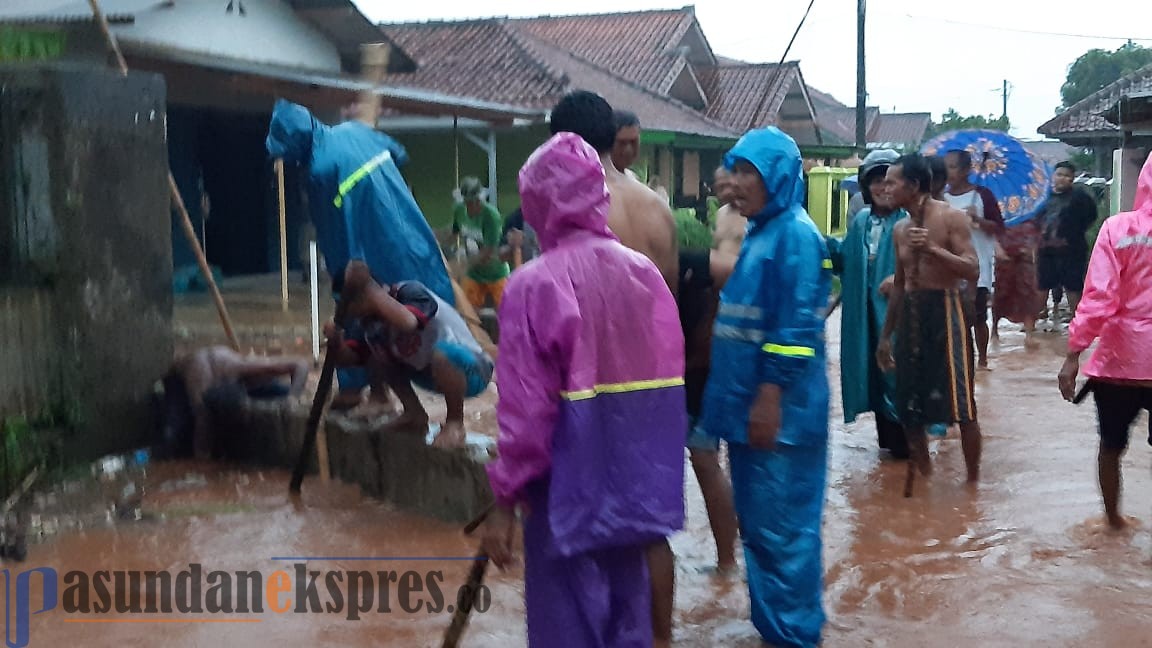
[591, 409]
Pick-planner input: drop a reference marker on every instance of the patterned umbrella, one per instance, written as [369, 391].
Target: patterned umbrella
[1017, 178]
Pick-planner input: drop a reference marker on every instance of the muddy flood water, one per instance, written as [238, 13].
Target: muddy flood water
[1024, 560]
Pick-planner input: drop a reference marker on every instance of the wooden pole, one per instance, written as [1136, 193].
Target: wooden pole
[185, 220]
[283, 235]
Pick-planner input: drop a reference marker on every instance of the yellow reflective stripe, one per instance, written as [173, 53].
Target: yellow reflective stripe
[620, 388]
[790, 351]
[358, 175]
[827, 265]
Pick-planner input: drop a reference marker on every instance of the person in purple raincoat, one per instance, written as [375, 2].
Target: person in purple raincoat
[591, 413]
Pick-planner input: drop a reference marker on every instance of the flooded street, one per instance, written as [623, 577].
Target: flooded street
[1023, 560]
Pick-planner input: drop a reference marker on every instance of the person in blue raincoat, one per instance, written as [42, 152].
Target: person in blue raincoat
[866, 262]
[767, 393]
[361, 208]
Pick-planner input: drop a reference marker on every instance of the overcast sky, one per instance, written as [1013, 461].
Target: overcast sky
[923, 55]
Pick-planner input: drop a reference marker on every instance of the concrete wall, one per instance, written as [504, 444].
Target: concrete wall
[84, 230]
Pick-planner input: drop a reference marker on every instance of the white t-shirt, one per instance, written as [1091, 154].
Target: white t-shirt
[984, 242]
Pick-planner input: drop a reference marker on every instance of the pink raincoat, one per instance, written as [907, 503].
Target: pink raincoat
[592, 413]
[1117, 302]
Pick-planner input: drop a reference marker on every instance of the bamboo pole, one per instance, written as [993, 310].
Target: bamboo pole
[283, 235]
[185, 219]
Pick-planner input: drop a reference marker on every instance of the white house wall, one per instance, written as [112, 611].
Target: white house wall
[269, 32]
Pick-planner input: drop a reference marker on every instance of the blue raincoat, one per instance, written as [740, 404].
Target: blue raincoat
[863, 386]
[770, 329]
[361, 206]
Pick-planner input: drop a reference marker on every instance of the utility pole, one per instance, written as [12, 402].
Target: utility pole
[1004, 90]
[861, 90]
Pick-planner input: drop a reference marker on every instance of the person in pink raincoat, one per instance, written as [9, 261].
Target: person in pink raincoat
[591, 413]
[1116, 309]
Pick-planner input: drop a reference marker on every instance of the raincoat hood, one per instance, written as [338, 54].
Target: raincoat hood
[562, 190]
[1143, 200]
[777, 159]
[291, 132]
[877, 160]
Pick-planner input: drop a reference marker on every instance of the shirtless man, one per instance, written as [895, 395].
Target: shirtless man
[934, 253]
[195, 374]
[644, 223]
[730, 225]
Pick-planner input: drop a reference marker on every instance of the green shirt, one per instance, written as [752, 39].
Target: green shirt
[485, 230]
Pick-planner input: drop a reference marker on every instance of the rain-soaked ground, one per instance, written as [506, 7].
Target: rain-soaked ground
[1022, 561]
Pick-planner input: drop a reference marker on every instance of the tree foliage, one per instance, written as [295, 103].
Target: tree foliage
[953, 120]
[1098, 68]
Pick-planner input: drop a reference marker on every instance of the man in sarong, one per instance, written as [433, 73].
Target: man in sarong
[767, 391]
[866, 263]
[590, 405]
[934, 254]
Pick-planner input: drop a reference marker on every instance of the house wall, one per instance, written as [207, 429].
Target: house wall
[431, 169]
[269, 32]
[85, 274]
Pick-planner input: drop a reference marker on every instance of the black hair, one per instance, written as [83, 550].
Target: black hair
[964, 157]
[624, 119]
[939, 170]
[1066, 165]
[588, 115]
[916, 168]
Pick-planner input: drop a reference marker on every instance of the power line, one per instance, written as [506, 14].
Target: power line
[1024, 31]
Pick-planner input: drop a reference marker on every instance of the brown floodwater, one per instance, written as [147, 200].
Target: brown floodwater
[1024, 560]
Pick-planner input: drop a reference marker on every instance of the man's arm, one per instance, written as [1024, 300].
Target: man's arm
[297, 368]
[993, 220]
[666, 247]
[959, 256]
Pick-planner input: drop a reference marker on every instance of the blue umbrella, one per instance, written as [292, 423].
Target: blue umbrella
[1017, 178]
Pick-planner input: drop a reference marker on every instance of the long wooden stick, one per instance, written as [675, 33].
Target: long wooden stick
[470, 591]
[186, 221]
[319, 402]
[279, 164]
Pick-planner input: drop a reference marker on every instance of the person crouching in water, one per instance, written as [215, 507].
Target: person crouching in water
[411, 335]
[591, 413]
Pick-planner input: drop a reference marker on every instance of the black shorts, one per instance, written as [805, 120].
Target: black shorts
[1117, 406]
[1061, 271]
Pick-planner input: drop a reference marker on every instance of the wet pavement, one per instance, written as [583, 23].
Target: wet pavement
[1023, 560]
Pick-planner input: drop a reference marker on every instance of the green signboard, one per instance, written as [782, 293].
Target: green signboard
[30, 44]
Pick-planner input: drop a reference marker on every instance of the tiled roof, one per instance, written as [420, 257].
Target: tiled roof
[900, 128]
[493, 60]
[632, 45]
[655, 112]
[741, 97]
[479, 58]
[1085, 116]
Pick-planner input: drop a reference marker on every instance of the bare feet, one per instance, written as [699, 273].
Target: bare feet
[982, 365]
[407, 423]
[451, 435]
